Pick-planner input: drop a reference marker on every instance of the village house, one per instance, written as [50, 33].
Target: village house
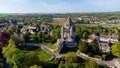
[113, 21]
[21, 23]
[104, 47]
[45, 28]
[32, 29]
[90, 19]
[103, 41]
[108, 39]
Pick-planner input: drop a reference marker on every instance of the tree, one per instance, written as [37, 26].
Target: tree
[27, 59]
[94, 47]
[40, 36]
[85, 35]
[26, 37]
[35, 66]
[9, 29]
[71, 57]
[16, 38]
[10, 53]
[61, 64]
[34, 37]
[104, 56]
[91, 64]
[17, 58]
[116, 49]
[83, 46]
[56, 32]
[71, 65]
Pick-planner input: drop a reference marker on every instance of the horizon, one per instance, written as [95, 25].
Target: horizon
[59, 6]
[64, 13]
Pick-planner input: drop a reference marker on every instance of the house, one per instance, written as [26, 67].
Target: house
[45, 28]
[90, 19]
[104, 42]
[32, 29]
[108, 39]
[20, 23]
[104, 47]
[113, 21]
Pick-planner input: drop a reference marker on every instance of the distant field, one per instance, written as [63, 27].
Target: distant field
[59, 21]
[22, 16]
[3, 15]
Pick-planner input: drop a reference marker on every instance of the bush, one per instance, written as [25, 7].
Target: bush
[97, 56]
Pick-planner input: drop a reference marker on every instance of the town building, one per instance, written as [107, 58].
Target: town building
[89, 19]
[32, 29]
[104, 41]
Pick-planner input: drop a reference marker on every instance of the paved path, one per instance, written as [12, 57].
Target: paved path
[51, 51]
[48, 50]
[110, 63]
[84, 56]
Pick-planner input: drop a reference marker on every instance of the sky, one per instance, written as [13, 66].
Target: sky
[58, 6]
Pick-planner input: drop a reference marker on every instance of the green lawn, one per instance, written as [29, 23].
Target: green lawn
[52, 46]
[38, 52]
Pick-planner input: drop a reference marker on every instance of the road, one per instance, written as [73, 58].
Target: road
[110, 63]
[84, 56]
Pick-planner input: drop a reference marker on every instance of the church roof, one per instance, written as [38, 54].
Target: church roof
[69, 21]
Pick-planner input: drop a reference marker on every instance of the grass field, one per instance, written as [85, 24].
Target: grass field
[37, 51]
[62, 21]
[41, 54]
[52, 46]
[59, 21]
[3, 15]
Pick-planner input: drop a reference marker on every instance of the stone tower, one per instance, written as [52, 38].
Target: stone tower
[68, 32]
